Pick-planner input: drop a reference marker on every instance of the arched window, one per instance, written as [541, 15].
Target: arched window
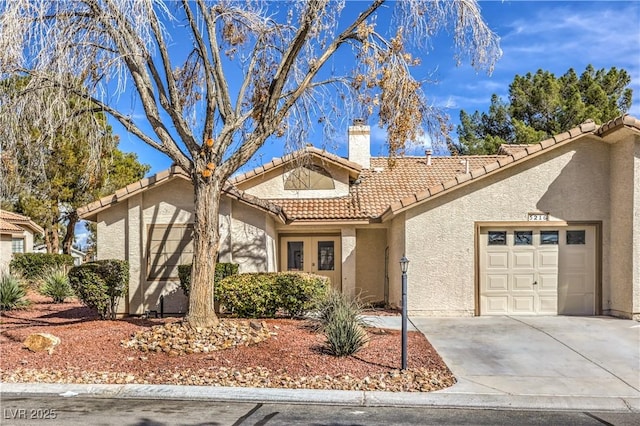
[309, 177]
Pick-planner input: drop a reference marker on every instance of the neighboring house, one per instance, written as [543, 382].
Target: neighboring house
[78, 256]
[544, 229]
[16, 236]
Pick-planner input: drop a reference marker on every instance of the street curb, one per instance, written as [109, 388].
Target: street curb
[328, 397]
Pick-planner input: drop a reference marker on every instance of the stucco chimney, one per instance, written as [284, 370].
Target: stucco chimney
[360, 143]
[428, 154]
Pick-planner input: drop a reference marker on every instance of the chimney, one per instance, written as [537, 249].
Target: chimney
[466, 165]
[360, 143]
[428, 154]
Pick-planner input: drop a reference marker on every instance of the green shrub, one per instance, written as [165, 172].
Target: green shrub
[257, 295]
[56, 286]
[299, 293]
[223, 270]
[34, 266]
[341, 323]
[248, 295]
[12, 292]
[100, 284]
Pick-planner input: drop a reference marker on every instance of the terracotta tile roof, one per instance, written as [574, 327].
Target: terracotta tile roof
[381, 191]
[510, 149]
[381, 185]
[13, 222]
[517, 156]
[9, 228]
[321, 154]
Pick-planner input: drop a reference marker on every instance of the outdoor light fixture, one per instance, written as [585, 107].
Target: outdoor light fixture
[404, 265]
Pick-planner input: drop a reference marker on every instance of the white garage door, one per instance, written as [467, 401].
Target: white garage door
[537, 271]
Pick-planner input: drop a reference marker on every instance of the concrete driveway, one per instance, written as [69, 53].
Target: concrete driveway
[539, 356]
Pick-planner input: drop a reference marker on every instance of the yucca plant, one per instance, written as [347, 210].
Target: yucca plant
[55, 284]
[12, 292]
[340, 321]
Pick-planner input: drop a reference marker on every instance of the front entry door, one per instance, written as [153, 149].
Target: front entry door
[314, 254]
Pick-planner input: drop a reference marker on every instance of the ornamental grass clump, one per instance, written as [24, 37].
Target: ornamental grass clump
[12, 293]
[340, 322]
[55, 284]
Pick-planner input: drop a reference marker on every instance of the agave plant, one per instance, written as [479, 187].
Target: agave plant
[56, 286]
[12, 292]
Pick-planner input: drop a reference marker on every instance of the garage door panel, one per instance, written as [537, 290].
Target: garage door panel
[523, 282]
[497, 260]
[547, 259]
[497, 282]
[548, 305]
[523, 259]
[522, 304]
[496, 305]
[548, 282]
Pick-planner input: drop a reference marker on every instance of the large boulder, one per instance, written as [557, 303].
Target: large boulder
[41, 342]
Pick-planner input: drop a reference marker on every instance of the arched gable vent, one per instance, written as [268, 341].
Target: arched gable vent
[309, 176]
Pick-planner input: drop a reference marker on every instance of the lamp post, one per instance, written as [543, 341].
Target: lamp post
[404, 265]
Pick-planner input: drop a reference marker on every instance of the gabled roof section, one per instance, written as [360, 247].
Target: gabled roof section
[14, 223]
[91, 210]
[320, 154]
[518, 155]
[377, 187]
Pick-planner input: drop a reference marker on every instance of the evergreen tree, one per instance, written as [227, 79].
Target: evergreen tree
[542, 105]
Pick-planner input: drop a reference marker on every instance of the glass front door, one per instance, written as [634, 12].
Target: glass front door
[314, 254]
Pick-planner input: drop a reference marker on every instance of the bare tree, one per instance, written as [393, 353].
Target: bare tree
[217, 79]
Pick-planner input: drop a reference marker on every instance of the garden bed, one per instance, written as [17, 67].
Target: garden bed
[92, 351]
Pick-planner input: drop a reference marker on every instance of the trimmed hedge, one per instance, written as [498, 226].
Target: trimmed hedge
[259, 295]
[100, 284]
[222, 270]
[33, 266]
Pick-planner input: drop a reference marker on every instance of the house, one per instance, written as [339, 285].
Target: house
[16, 236]
[551, 228]
[78, 255]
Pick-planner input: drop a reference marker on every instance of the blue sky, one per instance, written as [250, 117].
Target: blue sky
[547, 35]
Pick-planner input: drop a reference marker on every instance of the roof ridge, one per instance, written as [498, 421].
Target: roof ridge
[278, 161]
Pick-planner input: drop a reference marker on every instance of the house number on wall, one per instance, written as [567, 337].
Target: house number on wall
[538, 217]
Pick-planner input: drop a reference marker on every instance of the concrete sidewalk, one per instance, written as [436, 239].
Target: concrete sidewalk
[532, 363]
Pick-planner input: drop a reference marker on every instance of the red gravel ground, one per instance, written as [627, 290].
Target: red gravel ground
[91, 352]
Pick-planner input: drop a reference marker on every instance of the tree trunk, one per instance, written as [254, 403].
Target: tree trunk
[205, 252]
[69, 236]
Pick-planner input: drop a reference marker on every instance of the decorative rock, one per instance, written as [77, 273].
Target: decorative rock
[179, 338]
[41, 342]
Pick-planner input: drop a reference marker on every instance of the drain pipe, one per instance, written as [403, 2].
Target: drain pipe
[162, 306]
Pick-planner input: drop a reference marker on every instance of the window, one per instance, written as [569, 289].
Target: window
[17, 245]
[309, 177]
[549, 237]
[325, 256]
[523, 238]
[295, 256]
[497, 238]
[168, 247]
[576, 237]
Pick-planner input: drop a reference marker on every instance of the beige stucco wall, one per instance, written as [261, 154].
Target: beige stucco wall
[616, 300]
[396, 242]
[270, 185]
[247, 237]
[370, 264]
[5, 252]
[569, 182]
